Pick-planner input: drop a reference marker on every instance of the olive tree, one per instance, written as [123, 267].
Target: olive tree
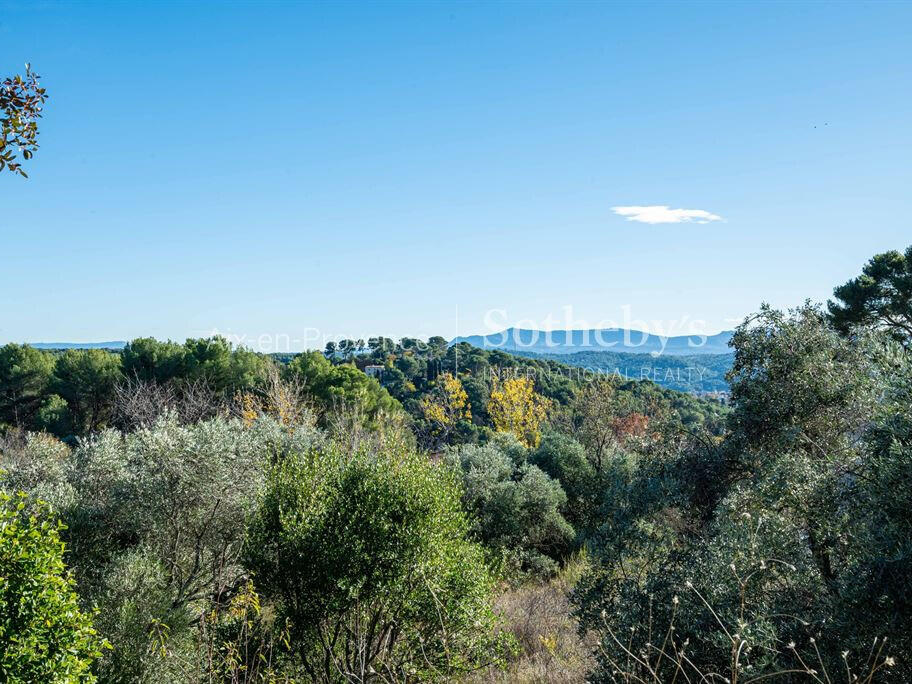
[155, 524]
[516, 507]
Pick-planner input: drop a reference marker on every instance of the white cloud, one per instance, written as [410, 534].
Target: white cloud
[660, 213]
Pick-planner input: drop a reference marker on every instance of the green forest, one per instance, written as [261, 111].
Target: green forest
[414, 511]
[697, 373]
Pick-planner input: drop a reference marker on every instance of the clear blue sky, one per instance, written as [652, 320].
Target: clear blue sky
[400, 169]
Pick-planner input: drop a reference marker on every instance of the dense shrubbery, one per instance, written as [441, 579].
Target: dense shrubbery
[154, 520]
[227, 517]
[517, 508]
[367, 557]
[365, 548]
[782, 548]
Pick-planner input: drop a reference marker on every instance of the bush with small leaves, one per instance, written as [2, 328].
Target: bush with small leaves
[44, 636]
[515, 506]
[366, 554]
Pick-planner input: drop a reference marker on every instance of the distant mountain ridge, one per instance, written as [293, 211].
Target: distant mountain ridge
[609, 339]
[117, 344]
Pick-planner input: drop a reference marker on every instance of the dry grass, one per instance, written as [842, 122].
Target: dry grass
[667, 659]
[550, 649]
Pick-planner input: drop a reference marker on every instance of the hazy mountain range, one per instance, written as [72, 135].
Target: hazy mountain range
[119, 344]
[611, 339]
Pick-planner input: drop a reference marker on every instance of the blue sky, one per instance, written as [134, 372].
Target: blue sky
[275, 169]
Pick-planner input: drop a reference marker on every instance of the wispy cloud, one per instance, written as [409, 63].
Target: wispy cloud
[660, 213]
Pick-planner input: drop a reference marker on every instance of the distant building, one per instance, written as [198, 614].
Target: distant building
[721, 396]
[373, 371]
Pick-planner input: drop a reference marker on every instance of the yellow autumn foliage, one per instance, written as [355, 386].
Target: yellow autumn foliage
[517, 408]
[449, 402]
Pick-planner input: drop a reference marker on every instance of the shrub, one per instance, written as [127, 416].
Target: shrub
[44, 636]
[564, 459]
[366, 554]
[515, 506]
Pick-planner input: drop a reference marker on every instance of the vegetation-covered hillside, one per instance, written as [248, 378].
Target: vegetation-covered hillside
[411, 371]
[415, 511]
[701, 373]
[76, 392]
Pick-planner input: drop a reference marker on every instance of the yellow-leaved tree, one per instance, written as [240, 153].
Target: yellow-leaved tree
[446, 405]
[516, 407]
